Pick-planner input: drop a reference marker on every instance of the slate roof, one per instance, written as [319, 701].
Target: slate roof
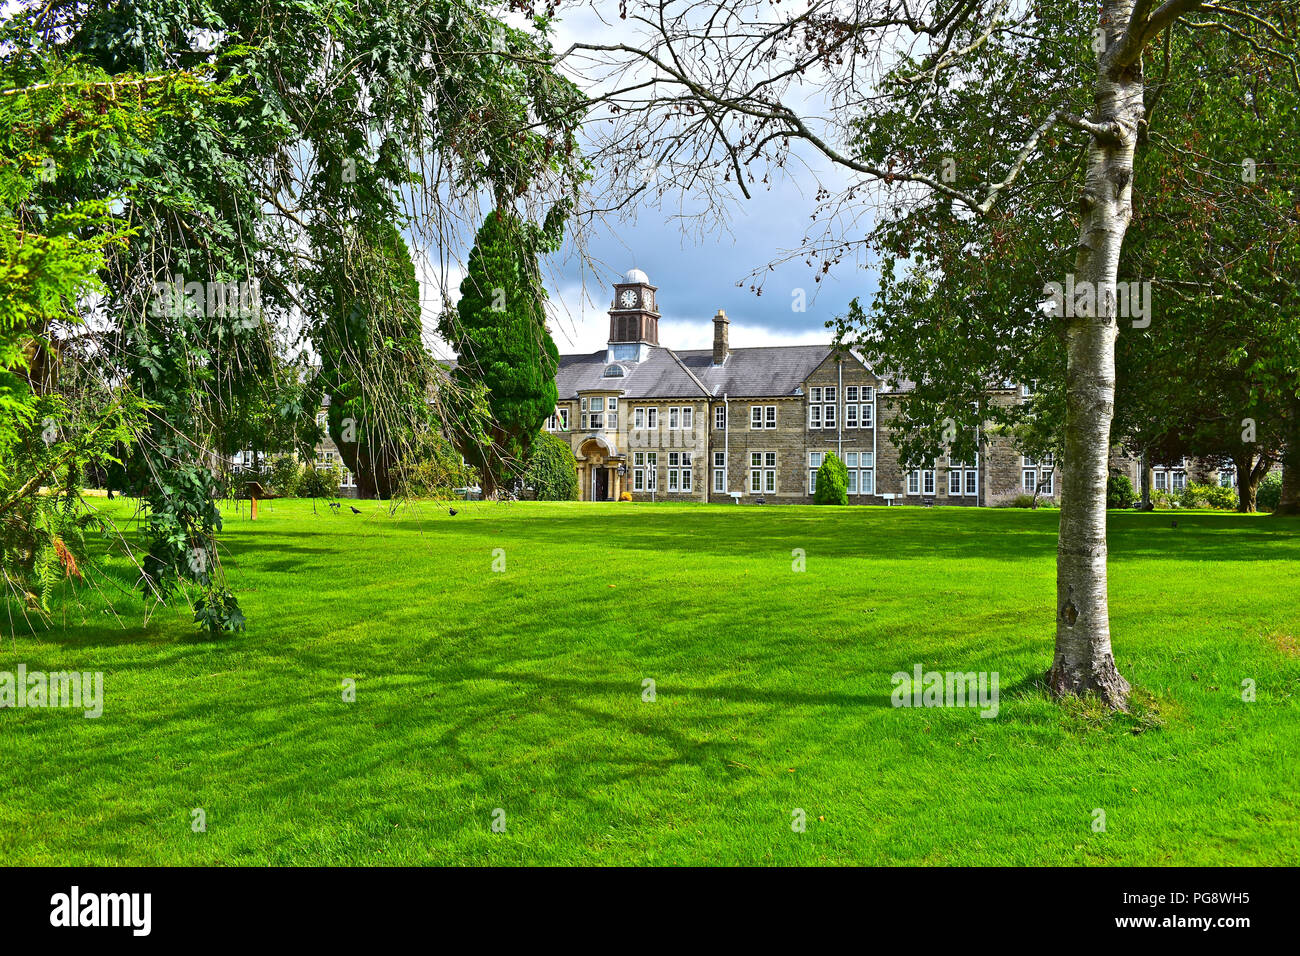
[769, 372]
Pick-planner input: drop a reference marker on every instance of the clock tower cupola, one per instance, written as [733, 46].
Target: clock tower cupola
[633, 316]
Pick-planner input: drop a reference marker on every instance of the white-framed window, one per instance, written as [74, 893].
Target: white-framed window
[828, 415]
[850, 416]
[829, 394]
[762, 471]
[1227, 478]
[815, 459]
[1046, 481]
[913, 482]
[322, 417]
[674, 419]
[861, 465]
[720, 417]
[814, 416]
[927, 482]
[867, 417]
[821, 407]
[815, 395]
[850, 393]
[755, 416]
[679, 471]
[1178, 480]
[1161, 480]
[638, 418]
[1026, 391]
[559, 422]
[719, 471]
[597, 419]
[613, 403]
[645, 469]
[688, 417]
[1029, 480]
[643, 417]
[972, 482]
[1038, 473]
[769, 416]
[954, 483]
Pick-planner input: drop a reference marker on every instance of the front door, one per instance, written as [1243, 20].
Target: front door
[602, 484]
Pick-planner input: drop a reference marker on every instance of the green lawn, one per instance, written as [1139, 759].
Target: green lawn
[522, 690]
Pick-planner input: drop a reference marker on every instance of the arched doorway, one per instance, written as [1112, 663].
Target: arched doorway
[598, 464]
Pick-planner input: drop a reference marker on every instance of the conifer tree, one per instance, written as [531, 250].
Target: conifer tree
[503, 345]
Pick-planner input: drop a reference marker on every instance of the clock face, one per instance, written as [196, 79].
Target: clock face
[650, 300]
[628, 298]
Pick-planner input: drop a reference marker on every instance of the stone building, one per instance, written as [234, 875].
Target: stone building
[753, 424]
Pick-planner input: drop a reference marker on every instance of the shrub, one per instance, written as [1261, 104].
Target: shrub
[625, 496]
[320, 482]
[1207, 496]
[284, 475]
[1270, 492]
[832, 482]
[433, 469]
[1022, 501]
[552, 471]
[1162, 500]
[1120, 492]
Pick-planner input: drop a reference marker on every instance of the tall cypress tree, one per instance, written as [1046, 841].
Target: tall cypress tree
[502, 343]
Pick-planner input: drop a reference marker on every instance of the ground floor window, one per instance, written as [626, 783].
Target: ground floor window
[762, 471]
[1039, 475]
[921, 482]
[679, 471]
[862, 475]
[644, 468]
[1227, 478]
[719, 471]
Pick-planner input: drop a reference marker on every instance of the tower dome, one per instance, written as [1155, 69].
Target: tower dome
[636, 275]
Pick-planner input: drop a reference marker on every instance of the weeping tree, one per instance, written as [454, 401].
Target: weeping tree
[246, 211]
[502, 343]
[937, 113]
[374, 368]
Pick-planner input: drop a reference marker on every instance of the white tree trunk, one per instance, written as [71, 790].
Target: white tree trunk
[1083, 661]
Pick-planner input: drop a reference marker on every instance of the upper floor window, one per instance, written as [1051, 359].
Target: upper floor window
[720, 417]
[614, 371]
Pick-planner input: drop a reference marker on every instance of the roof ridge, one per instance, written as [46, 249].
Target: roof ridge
[684, 368]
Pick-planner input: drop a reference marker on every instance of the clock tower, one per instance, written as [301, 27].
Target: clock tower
[633, 317]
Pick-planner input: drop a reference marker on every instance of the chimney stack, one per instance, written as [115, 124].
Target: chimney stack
[720, 349]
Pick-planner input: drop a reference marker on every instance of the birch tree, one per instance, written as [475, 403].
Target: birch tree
[717, 98]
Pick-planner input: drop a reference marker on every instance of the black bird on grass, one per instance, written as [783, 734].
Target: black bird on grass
[452, 512]
[334, 506]
[354, 510]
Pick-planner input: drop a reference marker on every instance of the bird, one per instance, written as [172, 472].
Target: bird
[355, 511]
[1173, 524]
[452, 512]
[334, 506]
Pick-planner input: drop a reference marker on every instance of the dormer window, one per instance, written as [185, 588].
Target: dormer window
[614, 371]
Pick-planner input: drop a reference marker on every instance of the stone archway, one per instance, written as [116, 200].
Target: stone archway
[598, 478]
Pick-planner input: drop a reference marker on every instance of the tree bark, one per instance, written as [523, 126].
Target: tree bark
[1290, 501]
[1144, 480]
[1083, 662]
[1247, 483]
